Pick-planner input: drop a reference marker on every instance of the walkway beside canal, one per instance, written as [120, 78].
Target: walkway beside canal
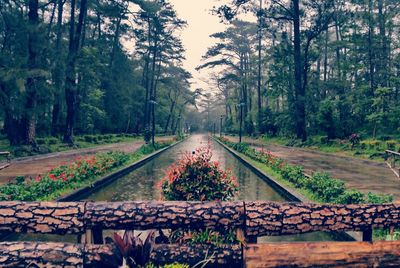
[365, 175]
[39, 164]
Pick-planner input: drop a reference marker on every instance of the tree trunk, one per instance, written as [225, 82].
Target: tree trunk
[70, 82]
[259, 100]
[337, 32]
[370, 49]
[58, 74]
[383, 59]
[32, 83]
[299, 90]
[171, 110]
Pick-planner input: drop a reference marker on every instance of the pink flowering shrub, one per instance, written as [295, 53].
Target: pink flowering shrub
[196, 178]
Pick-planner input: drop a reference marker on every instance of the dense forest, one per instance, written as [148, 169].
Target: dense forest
[286, 67]
[305, 68]
[79, 66]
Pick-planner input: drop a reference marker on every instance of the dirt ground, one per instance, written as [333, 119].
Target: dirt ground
[365, 175]
[35, 165]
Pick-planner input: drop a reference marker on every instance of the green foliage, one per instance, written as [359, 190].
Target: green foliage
[109, 84]
[351, 197]
[378, 199]
[325, 187]
[174, 265]
[213, 238]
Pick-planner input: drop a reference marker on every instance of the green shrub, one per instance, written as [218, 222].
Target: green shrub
[213, 238]
[384, 138]
[351, 196]
[391, 145]
[325, 187]
[40, 141]
[324, 140]
[52, 141]
[363, 145]
[241, 147]
[294, 174]
[90, 138]
[196, 178]
[374, 145]
[379, 198]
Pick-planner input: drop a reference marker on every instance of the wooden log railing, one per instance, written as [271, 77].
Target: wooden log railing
[32, 254]
[391, 158]
[254, 219]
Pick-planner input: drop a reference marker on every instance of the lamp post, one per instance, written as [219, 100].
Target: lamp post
[241, 120]
[220, 126]
[153, 127]
[179, 125]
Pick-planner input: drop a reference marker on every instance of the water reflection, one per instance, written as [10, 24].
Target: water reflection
[142, 184]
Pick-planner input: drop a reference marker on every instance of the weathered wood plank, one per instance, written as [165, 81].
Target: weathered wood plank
[169, 215]
[228, 255]
[319, 254]
[30, 254]
[42, 217]
[323, 254]
[270, 218]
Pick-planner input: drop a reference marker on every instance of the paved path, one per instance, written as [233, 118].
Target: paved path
[365, 175]
[34, 165]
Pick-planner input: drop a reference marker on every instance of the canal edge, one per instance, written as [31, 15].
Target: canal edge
[288, 193]
[104, 181]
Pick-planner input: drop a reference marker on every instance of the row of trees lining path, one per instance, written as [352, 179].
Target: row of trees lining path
[68, 66]
[309, 67]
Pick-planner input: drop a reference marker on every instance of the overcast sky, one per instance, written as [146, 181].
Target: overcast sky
[195, 37]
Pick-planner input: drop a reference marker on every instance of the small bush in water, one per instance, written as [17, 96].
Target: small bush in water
[196, 178]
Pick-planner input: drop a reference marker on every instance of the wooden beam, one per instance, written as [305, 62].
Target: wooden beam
[214, 256]
[168, 215]
[254, 218]
[42, 217]
[270, 218]
[317, 254]
[323, 254]
[31, 254]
